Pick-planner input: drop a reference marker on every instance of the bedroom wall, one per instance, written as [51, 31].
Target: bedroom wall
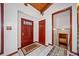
[48, 16]
[11, 19]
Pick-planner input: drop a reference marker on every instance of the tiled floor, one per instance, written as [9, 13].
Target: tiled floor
[43, 51]
[40, 51]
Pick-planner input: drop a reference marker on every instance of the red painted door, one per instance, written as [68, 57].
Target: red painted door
[26, 32]
[42, 32]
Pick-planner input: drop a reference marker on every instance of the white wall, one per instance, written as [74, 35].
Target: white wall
[48, 15]
[0, 27]
[62, 20]
[11, 19]
[74, 28]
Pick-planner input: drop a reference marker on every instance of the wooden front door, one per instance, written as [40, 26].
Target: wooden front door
[42, 32]
[26, 32]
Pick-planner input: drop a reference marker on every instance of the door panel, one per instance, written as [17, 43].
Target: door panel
[42, 32]
[26, 32]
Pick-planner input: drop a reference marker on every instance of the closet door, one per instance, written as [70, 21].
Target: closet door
[42, 32]
[26, 32]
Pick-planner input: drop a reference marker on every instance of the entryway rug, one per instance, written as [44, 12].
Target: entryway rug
[30, 48]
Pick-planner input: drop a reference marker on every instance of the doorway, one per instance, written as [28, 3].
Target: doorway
[62, 26]
[42, 32]
[26, 32]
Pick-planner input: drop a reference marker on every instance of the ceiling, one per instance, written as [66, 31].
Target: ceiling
[41, 7]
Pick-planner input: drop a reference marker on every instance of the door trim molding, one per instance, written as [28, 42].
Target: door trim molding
[2, 28]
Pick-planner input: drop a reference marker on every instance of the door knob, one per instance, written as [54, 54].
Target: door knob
[22, 34]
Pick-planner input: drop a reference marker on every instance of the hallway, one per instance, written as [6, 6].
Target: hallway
[38, 29]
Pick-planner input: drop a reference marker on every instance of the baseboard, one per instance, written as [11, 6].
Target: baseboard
[19, 48]
[49, 44]
[41, 43]
[75, 53]
[12, 53]
[1, 53]
[35, 42]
